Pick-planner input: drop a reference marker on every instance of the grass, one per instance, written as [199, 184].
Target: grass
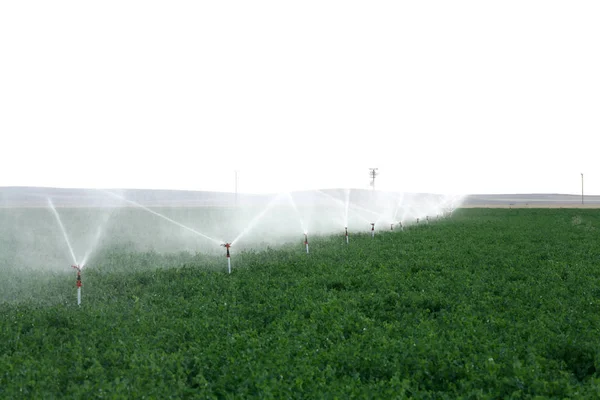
[489, 304]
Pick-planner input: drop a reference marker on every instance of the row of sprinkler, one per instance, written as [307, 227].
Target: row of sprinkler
[228, 245]
[228, 255]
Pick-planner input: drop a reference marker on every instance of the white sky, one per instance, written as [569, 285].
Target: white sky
[441, 96]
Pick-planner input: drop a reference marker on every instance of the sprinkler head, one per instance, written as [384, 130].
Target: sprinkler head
[78, 268]
[372, 226]
[391, 227]
[227, 246]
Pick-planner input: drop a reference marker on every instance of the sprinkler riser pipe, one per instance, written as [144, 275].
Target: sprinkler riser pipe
[227, 246]
[306, 242]
[78, 268]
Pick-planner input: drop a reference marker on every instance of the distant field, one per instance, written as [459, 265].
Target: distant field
[492, 303]
[530, 201]
[527, 205]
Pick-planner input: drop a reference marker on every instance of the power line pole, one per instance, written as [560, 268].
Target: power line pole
[373, 173]
[582, 188]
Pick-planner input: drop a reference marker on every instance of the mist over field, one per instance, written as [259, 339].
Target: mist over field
[46, 231]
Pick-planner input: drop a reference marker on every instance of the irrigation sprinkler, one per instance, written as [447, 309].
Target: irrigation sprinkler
[346, 228]
[401, 226]
[227, 246]
[417, 221]
[427, 218]
[306, 241]
[372, 229]
[391, 227]
[78, 268]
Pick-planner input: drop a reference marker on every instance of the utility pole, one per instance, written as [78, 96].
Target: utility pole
[582, 188]
[373, 173]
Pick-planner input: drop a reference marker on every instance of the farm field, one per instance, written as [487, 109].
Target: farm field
[491, 303]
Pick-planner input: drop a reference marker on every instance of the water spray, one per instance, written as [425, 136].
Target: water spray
[256, 219]
[293, 203]
[346, 208]
[372, 229]
[160, 216]
[227, 246]
[347, 205]
[346, 228]
[63, 230]
[306, 241]
[78, 268]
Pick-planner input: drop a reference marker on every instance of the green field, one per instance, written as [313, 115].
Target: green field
[492, 303]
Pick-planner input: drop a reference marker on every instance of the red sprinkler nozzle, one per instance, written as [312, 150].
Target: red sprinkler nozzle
[78, 268]
[227, 246]
[372, 226]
